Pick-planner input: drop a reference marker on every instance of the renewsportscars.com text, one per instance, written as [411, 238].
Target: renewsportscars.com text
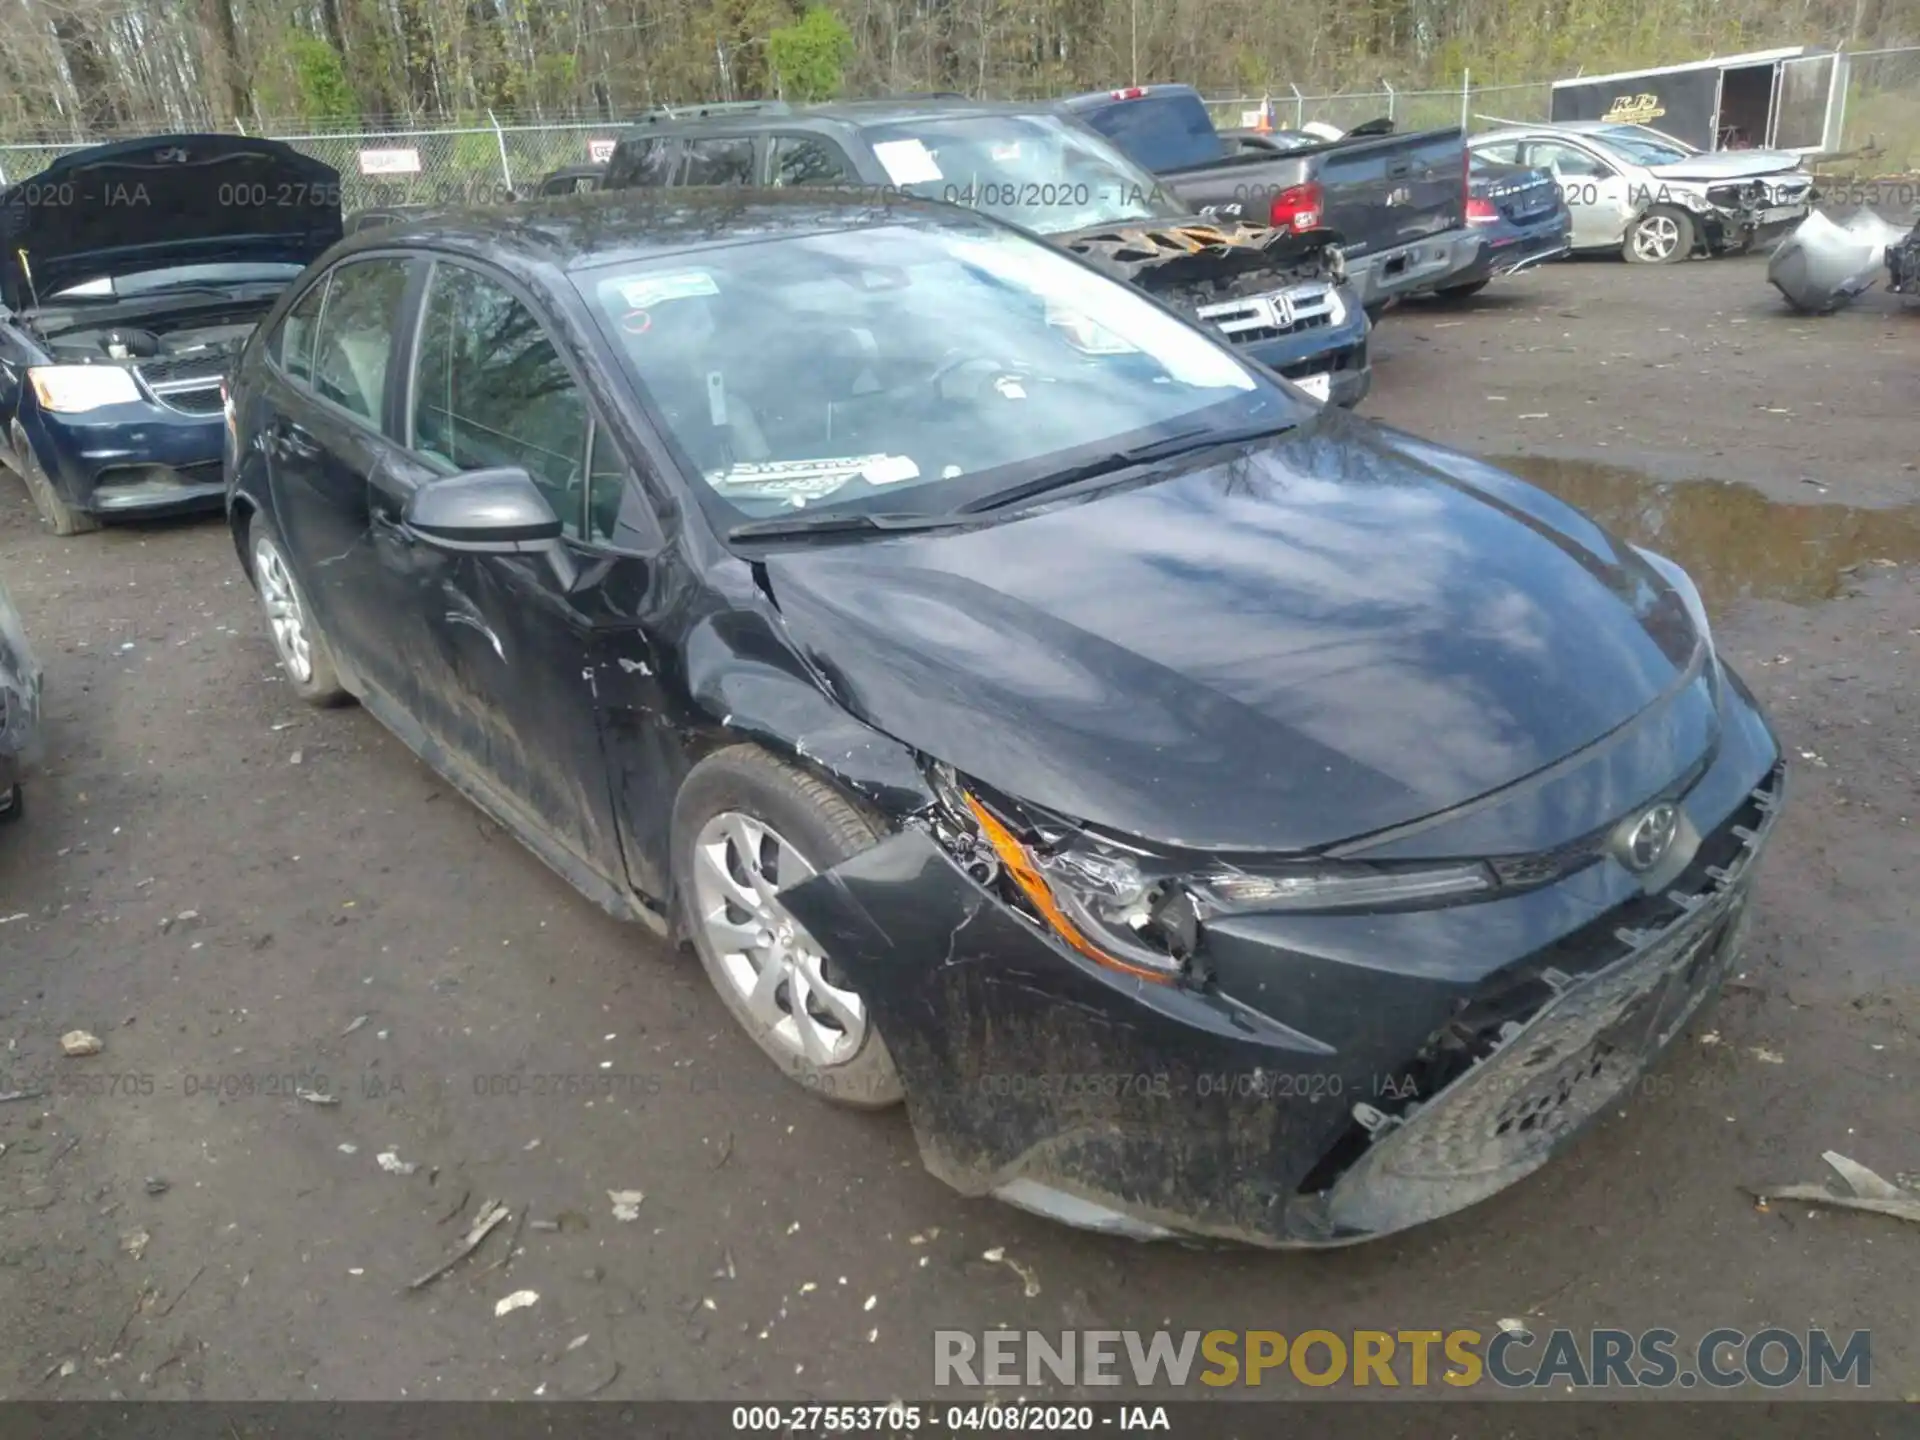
[1511, 1358]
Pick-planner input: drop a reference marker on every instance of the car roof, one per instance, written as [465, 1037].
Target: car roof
[601, 227]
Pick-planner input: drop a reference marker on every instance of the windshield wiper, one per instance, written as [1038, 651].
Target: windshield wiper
[1181, 443]
[828, 522]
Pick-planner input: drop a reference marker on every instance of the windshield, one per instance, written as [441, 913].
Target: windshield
[1649, 147]
[903, 368]
[147, 281]
[1040, 172]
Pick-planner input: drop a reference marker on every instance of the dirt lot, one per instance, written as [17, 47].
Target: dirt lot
[220, 883]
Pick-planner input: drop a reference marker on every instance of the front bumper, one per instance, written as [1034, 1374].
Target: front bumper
[139, 458]
[1412, 269]
[1324, 1089]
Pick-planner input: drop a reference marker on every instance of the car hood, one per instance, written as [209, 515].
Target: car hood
[1173, 256]
[1342, 631]
[1727, 165]
[162, 201]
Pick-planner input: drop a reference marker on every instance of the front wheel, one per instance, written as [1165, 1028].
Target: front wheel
[1662, 236]
[748, 825]
[63, 519]
[302, 649]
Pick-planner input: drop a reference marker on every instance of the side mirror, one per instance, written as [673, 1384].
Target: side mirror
[499, 511]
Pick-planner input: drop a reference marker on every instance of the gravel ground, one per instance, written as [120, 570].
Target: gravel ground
[220, 884]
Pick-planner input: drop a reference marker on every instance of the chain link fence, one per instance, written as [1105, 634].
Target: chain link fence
[487, 162]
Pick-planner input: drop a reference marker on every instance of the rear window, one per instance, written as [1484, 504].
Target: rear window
[1162, 130]
[645, 161]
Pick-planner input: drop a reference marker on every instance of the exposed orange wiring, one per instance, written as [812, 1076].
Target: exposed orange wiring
[1034, 886]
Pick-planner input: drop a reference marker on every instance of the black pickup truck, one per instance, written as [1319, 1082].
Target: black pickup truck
[1395, 204]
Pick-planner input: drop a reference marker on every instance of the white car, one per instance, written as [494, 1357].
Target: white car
[1654, 198]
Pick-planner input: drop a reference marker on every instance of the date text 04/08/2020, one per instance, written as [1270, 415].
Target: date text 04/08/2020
[903, 1418]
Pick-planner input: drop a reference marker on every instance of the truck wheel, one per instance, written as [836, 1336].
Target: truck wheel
[1662, 236]
[746, 826]
[61, 517]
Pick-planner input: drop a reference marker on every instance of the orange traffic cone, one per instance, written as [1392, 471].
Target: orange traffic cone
[1264, 125]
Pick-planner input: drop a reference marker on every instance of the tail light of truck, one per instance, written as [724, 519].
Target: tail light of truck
[1298, 208]
[1466, 180]
[1481, 212]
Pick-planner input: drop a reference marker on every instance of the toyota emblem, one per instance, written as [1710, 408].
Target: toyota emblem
[1651, 837]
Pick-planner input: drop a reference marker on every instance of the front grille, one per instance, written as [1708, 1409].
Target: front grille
[1256, 318]
[1542, 1049]
[165, 371]
[192, 399]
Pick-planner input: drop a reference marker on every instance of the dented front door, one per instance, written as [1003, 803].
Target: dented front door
[518, 642]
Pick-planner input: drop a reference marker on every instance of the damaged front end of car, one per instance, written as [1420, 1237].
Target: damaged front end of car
[1278, 294]
[1903, 264]
[1824, 264]
[1284, 1054]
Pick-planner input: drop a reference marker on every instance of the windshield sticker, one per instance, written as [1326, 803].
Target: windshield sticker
[1010, 387]
[889, 470]
[1007, 152]
[801, 480]
[1086, 334]
[649, 290]
[907, 162]
[717, 399]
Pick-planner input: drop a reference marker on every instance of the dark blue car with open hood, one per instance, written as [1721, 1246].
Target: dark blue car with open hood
[131, 274]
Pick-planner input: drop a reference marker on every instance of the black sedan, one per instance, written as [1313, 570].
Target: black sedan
[1521, 218]
[130, 276]
[19, 706]
[1214, 814]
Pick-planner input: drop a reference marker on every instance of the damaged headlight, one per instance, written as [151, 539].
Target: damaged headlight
[1140, 913]
[1343, 887]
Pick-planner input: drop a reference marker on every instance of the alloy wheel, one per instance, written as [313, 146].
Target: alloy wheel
[284, 615]
[740, 865]
[1656, 237]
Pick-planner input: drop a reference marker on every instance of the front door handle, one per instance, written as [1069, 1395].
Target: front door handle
[291, 440]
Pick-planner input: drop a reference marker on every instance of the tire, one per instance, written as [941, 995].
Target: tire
[735, 797]
[1374, 312]
[14, 806]
[62, 518]
[304, 655]
[1662, 236]
[1462, 292]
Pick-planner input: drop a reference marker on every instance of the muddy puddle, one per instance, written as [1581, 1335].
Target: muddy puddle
[1735, 542]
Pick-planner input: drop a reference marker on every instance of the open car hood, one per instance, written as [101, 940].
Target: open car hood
[1728, 165]
[1344, 630]
[1167, 255]
[162, 201]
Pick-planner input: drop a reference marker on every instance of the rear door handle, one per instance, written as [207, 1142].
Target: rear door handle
[1399, 169]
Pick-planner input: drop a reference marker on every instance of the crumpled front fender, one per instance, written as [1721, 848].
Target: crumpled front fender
[1028, 1069]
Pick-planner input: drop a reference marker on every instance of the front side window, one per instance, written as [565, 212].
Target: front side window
[906, 366]
[293, 346]
[1041, 172]
[490, 390]
[719, 162]
[356, 335]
